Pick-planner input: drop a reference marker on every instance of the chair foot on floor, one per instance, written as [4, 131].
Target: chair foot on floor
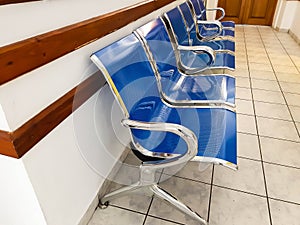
[162, 194]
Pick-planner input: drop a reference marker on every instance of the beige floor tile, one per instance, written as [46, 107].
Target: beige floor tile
[136, 200]
[191, 193]
[264, 75]
[263, 58]
[243, 93]
[277, 129]
[298, 127]
[248, 146]
[260, 67]
[292, 99]
[246, 124]
[285, 69]
[241, 65]
[198, 171]
[108, 217]
[270, 85]
[282, 182]
[155, 221]
[244, 106]
[230, 207]
[283, 62]
[290, 87]
[242, 82]
[280, 152]
[268, 96]
[272, 110]
[238, 73]
[295, 110]
[288, 77]
[248, 177]
[284, 213]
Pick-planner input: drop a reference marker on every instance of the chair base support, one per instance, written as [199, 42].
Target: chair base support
[158, 192]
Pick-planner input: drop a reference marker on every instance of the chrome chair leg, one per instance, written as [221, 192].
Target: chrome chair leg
[103, 203]
[162, 194]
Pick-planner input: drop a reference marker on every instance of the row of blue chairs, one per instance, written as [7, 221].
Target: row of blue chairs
[177, 108]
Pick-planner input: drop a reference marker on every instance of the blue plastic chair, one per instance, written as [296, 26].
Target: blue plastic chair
[215, 41]
[201, 10]
[173, 135]
[178, 70]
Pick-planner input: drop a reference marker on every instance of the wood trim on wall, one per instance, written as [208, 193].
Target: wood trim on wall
[20, 141]
[5, 2]
[26, 55]
[21, 57]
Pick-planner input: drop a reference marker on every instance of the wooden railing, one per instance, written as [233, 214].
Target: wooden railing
[19, 58]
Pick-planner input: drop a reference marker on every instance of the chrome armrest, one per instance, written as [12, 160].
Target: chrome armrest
[218, 29]
[200, 50]
[220, 9]
[187, 135]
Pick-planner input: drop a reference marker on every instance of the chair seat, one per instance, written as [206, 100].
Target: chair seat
[217, 88]
[225, 45]
[222, 60]
[214, 128]
[206, 32]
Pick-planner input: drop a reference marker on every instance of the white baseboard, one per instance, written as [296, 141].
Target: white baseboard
[297, 39]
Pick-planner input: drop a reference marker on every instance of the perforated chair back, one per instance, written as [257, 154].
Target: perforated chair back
[178, 87]
[132, 80]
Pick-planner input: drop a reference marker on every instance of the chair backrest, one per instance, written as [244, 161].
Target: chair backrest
[190, 21]
[128, 72]
[198, 8]
[179, 26]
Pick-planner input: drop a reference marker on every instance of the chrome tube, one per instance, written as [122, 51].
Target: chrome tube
[187, 135]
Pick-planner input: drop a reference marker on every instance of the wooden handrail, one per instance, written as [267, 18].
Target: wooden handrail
[5, 2]
[21, 57]
[20, 141]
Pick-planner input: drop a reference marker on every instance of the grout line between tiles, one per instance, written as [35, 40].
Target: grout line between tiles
[277, 199]
[210, 193]
[259, 142]
[172, 221]
[286, 52]
[282, 92]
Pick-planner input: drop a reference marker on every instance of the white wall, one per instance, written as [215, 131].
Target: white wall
[67, 167]
[295, 27]
[21, 21]
[211, 4]
[285, 14]
[18, 202]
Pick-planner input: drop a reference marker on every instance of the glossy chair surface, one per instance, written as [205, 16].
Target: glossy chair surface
[184, 35]
[134, 83]
[176, 85]
[196, 33]
[201, 13]
[175, 135]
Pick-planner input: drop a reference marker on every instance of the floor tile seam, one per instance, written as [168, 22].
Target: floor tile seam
[265, 117]
[259, 145]
[210, 192]
[189, 179]
[127, 209]
[281, 139]
[261, 89]
[164, 219]
[269, 162]
[240, 191]
[295, 125]
[285, 201]
[282, 165]
[287, 52]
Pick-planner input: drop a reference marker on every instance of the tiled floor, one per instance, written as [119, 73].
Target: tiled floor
[266, 188]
